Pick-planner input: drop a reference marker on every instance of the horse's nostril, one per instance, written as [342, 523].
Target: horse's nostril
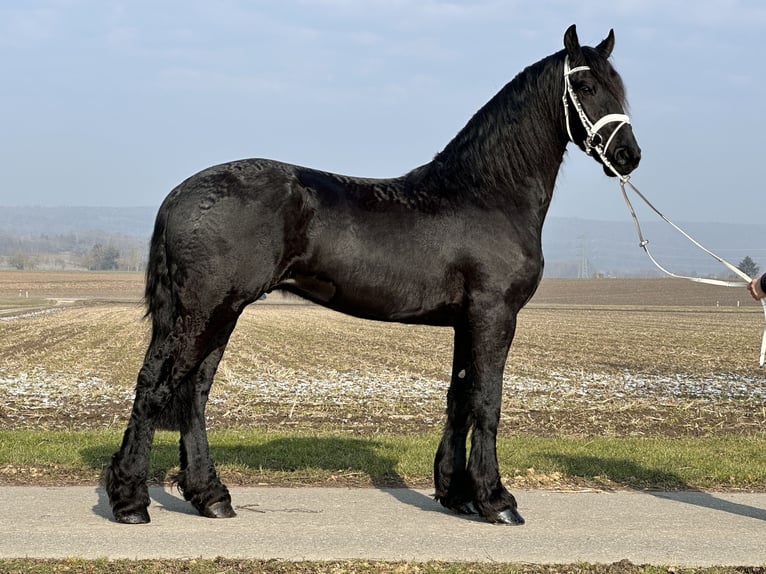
[625, 156]
[621, 155]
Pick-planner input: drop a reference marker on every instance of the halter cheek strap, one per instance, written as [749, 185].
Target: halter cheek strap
[593, 139]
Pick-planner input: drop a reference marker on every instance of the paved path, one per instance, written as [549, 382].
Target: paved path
[682, 529]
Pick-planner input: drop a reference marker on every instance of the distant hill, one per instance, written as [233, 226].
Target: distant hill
[68, 237]
[572, 247]
[132, 221]
[584, 248]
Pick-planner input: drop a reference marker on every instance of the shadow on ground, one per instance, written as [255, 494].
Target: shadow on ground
[359, 457]
[338, 455]
[346, 457]
[667, 485]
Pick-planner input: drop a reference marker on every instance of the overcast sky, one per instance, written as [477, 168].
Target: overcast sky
[113, 103]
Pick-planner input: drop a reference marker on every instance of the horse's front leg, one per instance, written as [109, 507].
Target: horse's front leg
[492, 333]
[451, 481]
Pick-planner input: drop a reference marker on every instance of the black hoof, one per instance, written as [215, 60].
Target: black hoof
[510, 517]
[221, 509]
[135, 517]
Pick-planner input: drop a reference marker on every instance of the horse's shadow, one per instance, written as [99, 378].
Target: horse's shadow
[355, 456]
[673, 487]
[351, 457]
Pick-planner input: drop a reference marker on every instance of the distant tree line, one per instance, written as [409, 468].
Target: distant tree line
[102, 258]
[92, 250]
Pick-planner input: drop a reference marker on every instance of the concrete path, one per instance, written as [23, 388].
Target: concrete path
[681, 529]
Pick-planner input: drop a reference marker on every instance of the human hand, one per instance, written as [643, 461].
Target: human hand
[755, 289]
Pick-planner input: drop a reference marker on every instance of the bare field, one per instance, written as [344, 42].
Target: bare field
[71, 284]
[649, 357]
[633, 292]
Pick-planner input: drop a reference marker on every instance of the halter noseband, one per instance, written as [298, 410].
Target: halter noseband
[593, 139]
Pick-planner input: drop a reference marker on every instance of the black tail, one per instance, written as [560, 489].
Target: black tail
[158, 295]
[160, 306]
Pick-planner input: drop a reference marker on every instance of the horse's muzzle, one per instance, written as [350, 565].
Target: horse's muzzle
[626, 159]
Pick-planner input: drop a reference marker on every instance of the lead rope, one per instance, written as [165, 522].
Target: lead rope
[593, 136]
[644, 244]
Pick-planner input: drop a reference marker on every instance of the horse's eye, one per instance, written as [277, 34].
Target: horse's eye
[586, 90]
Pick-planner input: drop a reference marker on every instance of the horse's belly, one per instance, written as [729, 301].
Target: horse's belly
[388, 299]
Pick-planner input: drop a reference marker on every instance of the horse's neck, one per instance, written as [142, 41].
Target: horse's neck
[510, 152]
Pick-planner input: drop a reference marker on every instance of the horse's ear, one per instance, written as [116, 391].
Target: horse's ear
[572, 43]
[607, 45]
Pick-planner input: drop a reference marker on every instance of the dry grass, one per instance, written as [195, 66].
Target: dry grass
[199, 566]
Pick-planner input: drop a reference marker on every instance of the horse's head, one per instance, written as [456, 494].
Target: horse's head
[594, 102]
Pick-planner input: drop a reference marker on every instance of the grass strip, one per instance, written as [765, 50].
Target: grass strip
[254, 457]
[76, 566]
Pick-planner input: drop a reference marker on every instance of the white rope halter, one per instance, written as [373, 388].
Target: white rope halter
[592, 136]
[593, 139]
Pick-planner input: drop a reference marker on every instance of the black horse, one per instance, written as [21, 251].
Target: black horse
[455, 243]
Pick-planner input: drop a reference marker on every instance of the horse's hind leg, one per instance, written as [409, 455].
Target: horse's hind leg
[198, 480]
[125, 478]
[168, 362]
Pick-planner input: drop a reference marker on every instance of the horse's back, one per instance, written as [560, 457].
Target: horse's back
[242, 183]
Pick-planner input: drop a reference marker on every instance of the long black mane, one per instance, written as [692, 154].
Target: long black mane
[515, 134]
